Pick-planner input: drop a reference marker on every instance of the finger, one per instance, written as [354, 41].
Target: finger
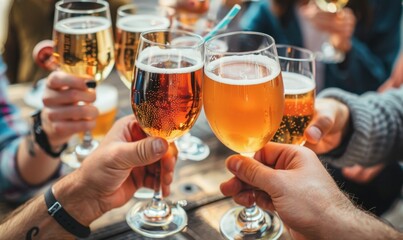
[53, 98]
[66, 113]
[141, 153]
[263, 200]
[68, 128]
[168, 161]
[60, 80]
[232, 187]
[322, 123]
[165, 190]
[245, 198]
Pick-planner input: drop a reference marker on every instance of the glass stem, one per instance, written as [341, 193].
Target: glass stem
[87, 139]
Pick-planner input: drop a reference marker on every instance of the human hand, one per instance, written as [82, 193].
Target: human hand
[360, 174]
[290, 180]
[327, 128]
[340, 25]
[66, 107]
[396, 78]
[121, 165]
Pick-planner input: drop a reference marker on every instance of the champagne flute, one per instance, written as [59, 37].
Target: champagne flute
[132, 20]
[166, 97]
[329, 54]
[298, 70]
[243, 97]
[83, 46]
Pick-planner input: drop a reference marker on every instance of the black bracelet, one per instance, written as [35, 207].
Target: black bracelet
[56, 210]
[42, 139]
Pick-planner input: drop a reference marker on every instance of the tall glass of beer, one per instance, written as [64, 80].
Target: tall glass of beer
[243, 98]
[83, 46]
[166, 98]
[298, 69]
[132, 20]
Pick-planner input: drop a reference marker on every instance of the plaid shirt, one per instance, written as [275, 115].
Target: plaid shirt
[12, 131]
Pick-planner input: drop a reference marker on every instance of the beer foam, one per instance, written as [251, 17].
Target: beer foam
[141, 23]
[107, 98]
[82, 25]
[295, 83]
[261, 59]
[190, 54]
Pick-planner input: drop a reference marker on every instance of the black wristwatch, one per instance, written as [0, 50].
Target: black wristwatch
[41, 138]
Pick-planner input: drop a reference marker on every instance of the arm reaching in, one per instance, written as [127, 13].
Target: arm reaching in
[107, 179]
[292, 181]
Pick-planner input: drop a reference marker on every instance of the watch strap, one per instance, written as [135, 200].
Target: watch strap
[42, 139]
[56, 210]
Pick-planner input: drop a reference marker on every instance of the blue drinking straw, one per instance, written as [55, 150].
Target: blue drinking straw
[224, 22]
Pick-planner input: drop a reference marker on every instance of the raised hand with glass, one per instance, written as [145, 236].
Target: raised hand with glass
[298, 70]
[83, 46]
[166, 97]
[243, 97]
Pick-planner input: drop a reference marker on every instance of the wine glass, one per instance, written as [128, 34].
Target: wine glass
[330, 54]
[243, 97]
[166, 97]
[298, 70]
[132, 20]
[83, 46]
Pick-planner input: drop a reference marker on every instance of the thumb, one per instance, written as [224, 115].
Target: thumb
[141, 153]
[251, 171]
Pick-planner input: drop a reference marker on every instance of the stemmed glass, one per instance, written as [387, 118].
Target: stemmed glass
[329, 54]
[83, 46]
[243, 97]
[298, 70]
[166, 97]
[132, 20]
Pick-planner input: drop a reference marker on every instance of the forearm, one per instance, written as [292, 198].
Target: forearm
[34, 165]
[349, 222]
[33, 222]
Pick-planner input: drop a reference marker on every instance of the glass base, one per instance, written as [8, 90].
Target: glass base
[329, 54]
[70, 159]
[84, 149]
[231, 229]
[192, 148]
[162, 228]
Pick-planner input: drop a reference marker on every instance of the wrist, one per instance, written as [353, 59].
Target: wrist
[72, 194]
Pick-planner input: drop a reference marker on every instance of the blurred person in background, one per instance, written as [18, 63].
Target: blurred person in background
[29, 154]
[29, 22]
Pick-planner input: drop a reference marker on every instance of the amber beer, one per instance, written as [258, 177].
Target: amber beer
[84, 46]
[298, 109]
[128, 30]
[243, 100]
[167, 95]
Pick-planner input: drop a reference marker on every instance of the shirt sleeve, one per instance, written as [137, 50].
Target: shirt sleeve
[13, 129]
[377, 127]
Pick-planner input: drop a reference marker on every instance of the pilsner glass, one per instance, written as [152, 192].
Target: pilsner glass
[132, 20]
[298, 70]
[166, 97]
[329, 54]
[83, 46]
[243, 97]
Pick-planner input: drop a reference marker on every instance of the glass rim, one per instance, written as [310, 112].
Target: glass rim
[199, 44]
[121, 9]
[310, 55]
[104, 6]
[208, 42]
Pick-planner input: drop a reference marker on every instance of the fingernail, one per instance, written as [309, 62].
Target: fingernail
[315, 133]
[158, 146]
[234, 164]
[91, 84]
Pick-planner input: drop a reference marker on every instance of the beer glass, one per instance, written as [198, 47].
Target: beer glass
[83, 46]
[243, 98]
[298, 70]
[166, 98]
[328, 53]
[132, 20]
